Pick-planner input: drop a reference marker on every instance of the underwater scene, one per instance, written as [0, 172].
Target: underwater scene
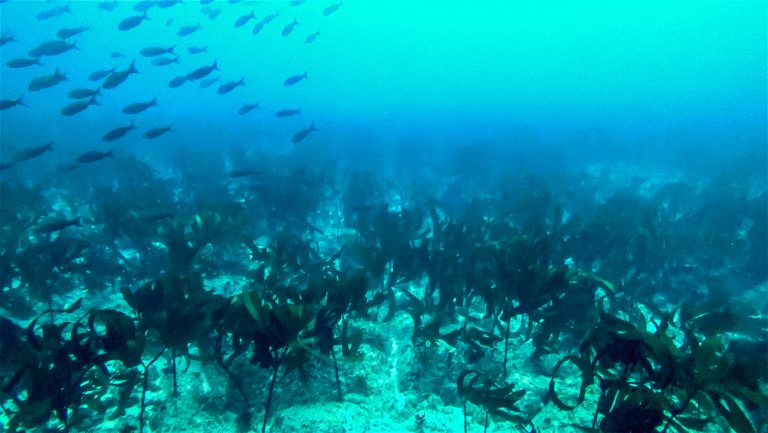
[359, 216]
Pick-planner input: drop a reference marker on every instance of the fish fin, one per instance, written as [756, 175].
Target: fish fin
[132, 68]
[109, 154]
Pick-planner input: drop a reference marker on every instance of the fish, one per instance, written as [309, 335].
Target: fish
[235, 174]
[7, 39]
[69, 32]
[230, 86]
[243, 20]
[205, 2]
[156, 132]
[296, 2]
[208, 82]
[57, 226]
[78, 106]
[169, 22]
[269, 18]
[117, 77]
[188, 30]
[331, 9]
[10, 103]
[290, 81]
[301, 135]
[84, 93]
[247, 108]
[118, 132]
[138, 107]
[287, 112]
[23, 62]
[177, 81]
[53, 13]
[131, 22]
[100, 74]
[52, 48]
[257, 28]
[289, 27]
[116, 55]
[165, 61]
[93, 156]
[164, 4]
[107, 5]
[197, 50]
[202, 72]
[156, 51]
[210, 12]
[311, 37]
[6, 165]
[47, 81]
[32, 152]
[143, 6]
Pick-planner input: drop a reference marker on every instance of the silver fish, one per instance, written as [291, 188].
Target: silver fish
[290, 81]
[23, 62]
[84, 93]
[53, 13]
[197, 50]
[131, 22]
[301, 135]
[156, 51]
[116, 78]
[287, 112]
[10, 103]
[208, 82]
[188, 30]
[52, 48]
[99, 75]
[177, 81]
[118, 132]
[202, 72]
[107, 5]
[165, 61]
[32, 152]
[230, 86]
[78, 106]
[138, 107]
[58, 225]
[247, 108]
[289, 27]
[311, 37]
[67, 33]
[331, 9]
[243, 20]
[47, 81]
[156, 132]
[93, 156]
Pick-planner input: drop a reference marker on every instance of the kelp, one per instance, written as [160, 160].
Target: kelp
[647, 380]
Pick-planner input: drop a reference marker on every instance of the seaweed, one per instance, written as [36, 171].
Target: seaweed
[500, 402]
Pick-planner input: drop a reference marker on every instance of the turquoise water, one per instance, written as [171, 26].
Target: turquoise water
[635, 76]
[383, 216]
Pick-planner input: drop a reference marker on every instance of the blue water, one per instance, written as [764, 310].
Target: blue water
[450, 168]
[636, 80]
